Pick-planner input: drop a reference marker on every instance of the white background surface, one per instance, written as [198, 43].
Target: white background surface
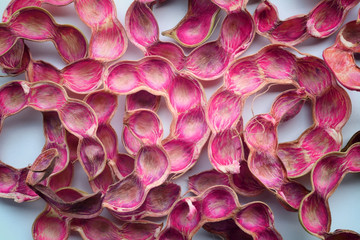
[21, 139]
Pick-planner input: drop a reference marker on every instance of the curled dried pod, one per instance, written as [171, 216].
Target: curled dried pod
[200, 182]
[142, 99]
[249, 75]
[227, 229]
[82, 206]
[13, 184]
[82, 76]
[151, 170]
[108, 40]
[102, 228]
[158, 203]
[206, 62]
[76, 116]
[298, 28]
[340, 57]
[188, 132]
[69, 41]
[49, 224]
[15, 5]
[314, 212]
[197, 25]
[16, 60]
[231, 6]
[261, 137]
[218, 204]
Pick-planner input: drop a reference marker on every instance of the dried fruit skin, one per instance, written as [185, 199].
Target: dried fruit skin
[218, 203]
[327, 174]
[157, 76]
[249, 75]
[340, 56]
[206, 62]
[196, 26]
[102, 228]
[37, 24]
[75, 115]
[296, 29]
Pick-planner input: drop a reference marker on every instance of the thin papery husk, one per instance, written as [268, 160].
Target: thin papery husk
[249, 75]
[108, 40]
[206, 62]
[84, 206]
[69, 41]
[231, 6]
[219, 204]
[340, 57]
[15, 5]
[102, 228]
[196, 26]
[314, 212]
[227, 229]
[188, 130]
[158, 203]
[13, 184]
[16, 60]
[340, 234]
[49, 225]
[298, 28]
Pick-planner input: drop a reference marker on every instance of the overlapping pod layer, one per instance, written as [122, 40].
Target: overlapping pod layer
[243, 183]
[82, 76]
[52, 223]
[327, 174]
[340, 56]
[108, 40]
[160, 199]
[158, 203]
[16, 60]
[219, 203]
[206, 62]
[151, 169]
[100, 228]
[296, 29]
[36, 24]
[156, 159]
[83, 206]
[15, 5]
[274, 65]
[197, 25]
[184, 97]
[75, 115]
[227, 229]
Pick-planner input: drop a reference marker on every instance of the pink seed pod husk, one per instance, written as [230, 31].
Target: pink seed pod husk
[346, 45]
[231, 6]
[158, 203]
[13, 184]
[102, 228]
[50, 225]
[298, 28]
[249, 75]
[142, 99]
[188, 130]
[219, 204]
[15, 61]
[206, 62]
[227, 229]
[314, 212]
[200, 182]
[15, 5]
[108, 40]
[196, 26]
[69, 41]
